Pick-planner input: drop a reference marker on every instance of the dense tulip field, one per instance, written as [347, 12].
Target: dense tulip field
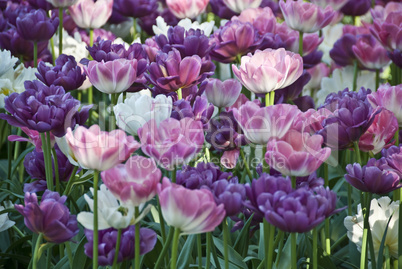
[228, 134]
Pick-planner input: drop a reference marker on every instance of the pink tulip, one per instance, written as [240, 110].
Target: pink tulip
[173, 143]
[241, 100]
[263, 19]
[192, 211]
[389, 97]
[99, 150]
[311, 120]
[306, 17]
[90, 14]
[113, 76]
[380, 133]
[297, 154]
[135, 182]
[370, 53]
[240, 5]
[33, 137]
[269, 70]
[261, 124]
[317, 73]
[187, 8]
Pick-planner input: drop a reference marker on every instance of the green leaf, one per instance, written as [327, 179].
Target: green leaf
[243, 236]
[234, 258]
[185, 254]
[80, 258]
[380, 261]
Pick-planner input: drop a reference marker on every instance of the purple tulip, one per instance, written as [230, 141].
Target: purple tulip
[171, 72]
[296, 212]
[293, 91]
[66, 73]
[107, 244]
[188, 43]
[265, 184]
[393, 157]
[34, 164]
[229, 193]
[342, 52]
[372, 178]
[51, 218]
[348, 123]
[44, 109]
[204, 175]
[222, 94]
[192, 211]
[356, 7]
[147, 22]
[306, 17]
[36, 26]
[173, 143]
[221, 10]
[201, 110]
[41, 4]
[135, 8]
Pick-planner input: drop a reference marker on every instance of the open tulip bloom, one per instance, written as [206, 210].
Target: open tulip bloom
[200, 134]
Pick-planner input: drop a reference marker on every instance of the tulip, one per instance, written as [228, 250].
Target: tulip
[173, 143]
[306, 17]
[135, 8]
[112, 77]
[62, 3]
[8, 61]
[36, 26]
[187, 8]
[5, 222]
[240, 5]
[370, 53]
[335, 4]
[389, 97]
[356, 7]
[51, 218]
[268, 70]
[100, 150]
[90, 14]
[139, 109]
[383, 217]
[191, 211]
[135, 182]
[111, 213]
[261, 124]
[380, 133]
[297, 154]
[372, 177]
[222, 94]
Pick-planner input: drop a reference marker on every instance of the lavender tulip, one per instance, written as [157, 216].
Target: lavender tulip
[201, 110]
[370, 53]
[107, 244]
[389, 97]
[51, 218]
[306, 17]
[191, 211]
[222, 94]
[135, 182]
[173, 143]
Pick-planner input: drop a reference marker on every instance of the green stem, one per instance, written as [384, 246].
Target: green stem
[135, 28]
[114, 98]
[315, 248]
[95, 242]
[199, 250]
[267, 99]
[36, 256]
[137, 240]
[49, 176]
[357, 152]
[116, 253]
[174, 174]
[17, 144]
[70, 181]
[246, 164]
[91, 37]
[166, 246]
[293, 178]
[175, 246]
[179, 94]
[56, 170]
[326, 227]
[208, 253]
[53, 52]
[60, 31]
[225, 243]
[301, 43]
[355, 70]
[49, 154]
[293, 250]
[272, 98]
[366, 213]
[387, 258]
[10, 153]
[270, 249]
[377, 79]
[35, 53]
